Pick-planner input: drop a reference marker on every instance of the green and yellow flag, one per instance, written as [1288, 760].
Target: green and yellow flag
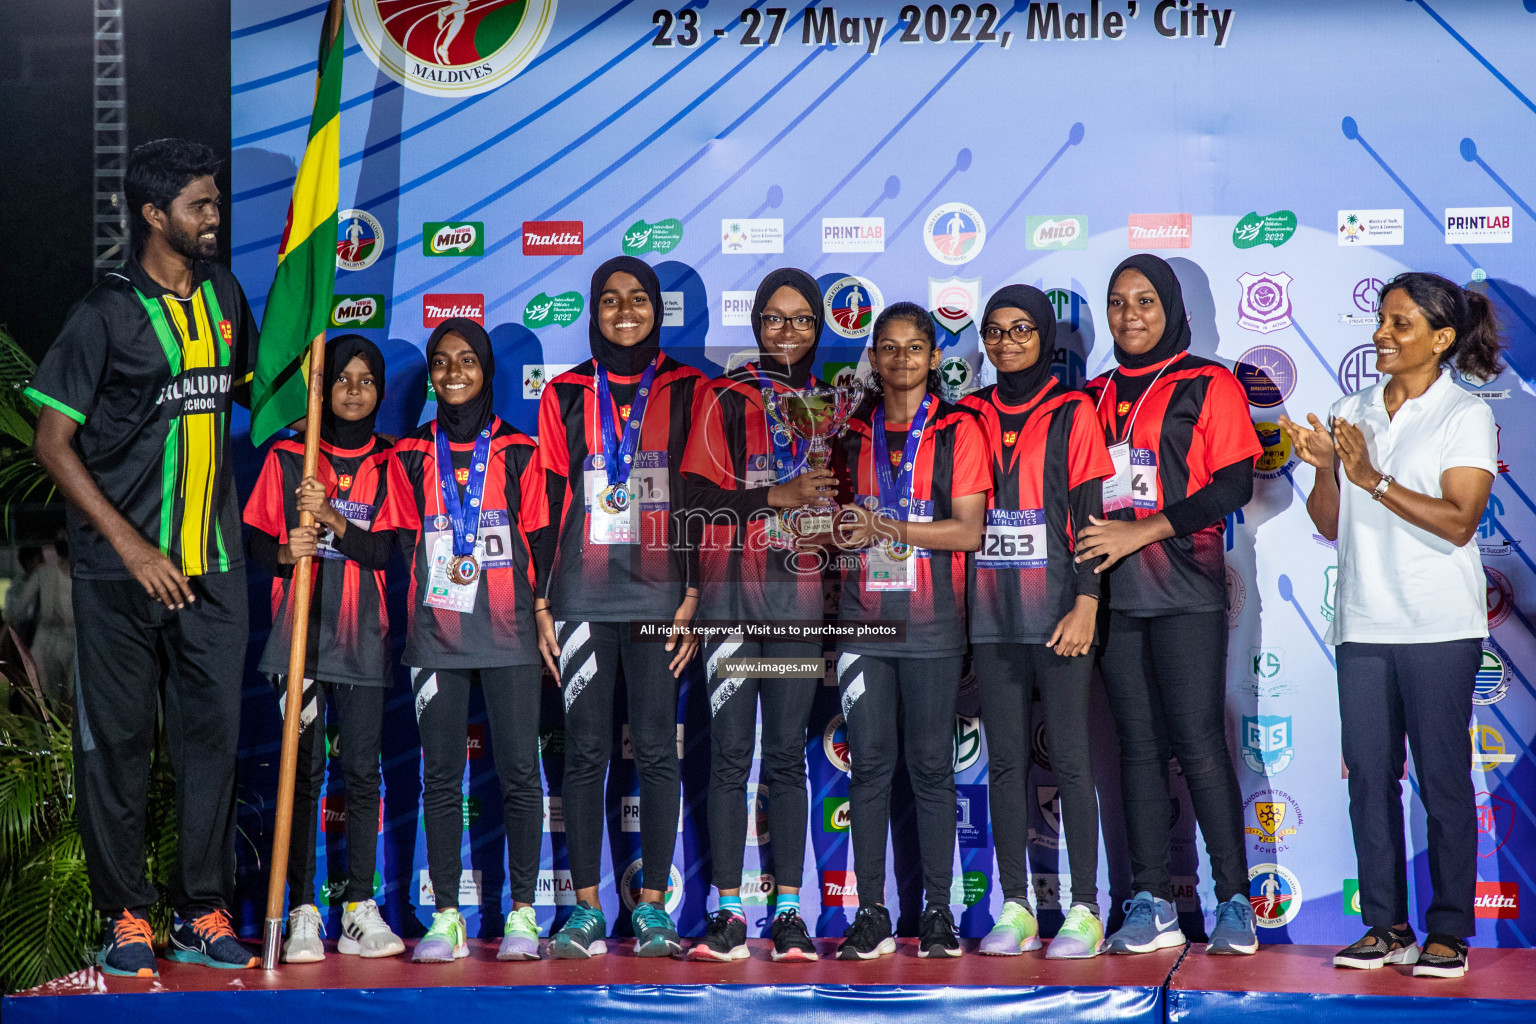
[299, 301]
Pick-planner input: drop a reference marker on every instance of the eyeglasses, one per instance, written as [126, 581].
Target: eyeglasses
[773, 322]
[1018, 334]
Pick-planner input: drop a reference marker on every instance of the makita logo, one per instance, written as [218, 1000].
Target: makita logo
[1497, 899]
[475, 747]
[552, 238]
[839, 889]
[437, 308]
[1161, 230]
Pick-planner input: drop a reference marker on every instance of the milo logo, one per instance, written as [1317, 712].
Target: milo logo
[1056, 233]
[446, 238]
[358, 311]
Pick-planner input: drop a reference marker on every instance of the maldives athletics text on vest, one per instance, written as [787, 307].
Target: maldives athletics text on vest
[451, 47]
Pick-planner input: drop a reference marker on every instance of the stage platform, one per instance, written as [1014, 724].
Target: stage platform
[1174, 985]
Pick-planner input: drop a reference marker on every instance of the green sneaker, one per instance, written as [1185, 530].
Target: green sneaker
[584, 935]
[655, 934]
[520, 940]
[1015, 932]
[446, 941]
[1081, 936]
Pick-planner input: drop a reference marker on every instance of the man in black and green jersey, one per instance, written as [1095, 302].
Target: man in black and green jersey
[135, 396]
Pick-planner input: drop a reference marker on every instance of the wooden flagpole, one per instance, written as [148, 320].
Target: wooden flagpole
[293, 708]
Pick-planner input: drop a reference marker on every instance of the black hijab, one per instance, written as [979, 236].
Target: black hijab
[1176, 336]
[794, 375]
[339, 351]
[1019, 386]
[462, 422]
[626, 362]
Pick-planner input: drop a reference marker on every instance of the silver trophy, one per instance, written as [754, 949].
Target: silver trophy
[815, 415]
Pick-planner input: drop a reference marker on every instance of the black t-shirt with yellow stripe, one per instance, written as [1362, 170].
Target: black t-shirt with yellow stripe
[149, 376]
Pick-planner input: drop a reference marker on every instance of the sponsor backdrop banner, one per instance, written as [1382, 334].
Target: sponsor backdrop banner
[494, 152]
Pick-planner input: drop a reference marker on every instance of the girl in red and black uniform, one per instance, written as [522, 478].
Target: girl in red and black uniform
[917, 470]
[1033, 609]
[1183, 448]
[612, 433]
[347, 657]
[742, 472]
[467, 492]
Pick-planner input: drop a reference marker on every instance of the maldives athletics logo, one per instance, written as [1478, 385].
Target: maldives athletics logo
[851, 305]
[359, 240]
[451, 47]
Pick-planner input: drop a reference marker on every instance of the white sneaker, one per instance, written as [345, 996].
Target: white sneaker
[304, 931]
[364, 933]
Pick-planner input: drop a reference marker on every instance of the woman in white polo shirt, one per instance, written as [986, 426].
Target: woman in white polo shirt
[1402, 483]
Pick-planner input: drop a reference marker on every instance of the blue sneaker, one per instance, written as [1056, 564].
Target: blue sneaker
[655, 935]
[210, 941]
[1150, 924]
[1233, 933]
[129, 948]
[585, 935]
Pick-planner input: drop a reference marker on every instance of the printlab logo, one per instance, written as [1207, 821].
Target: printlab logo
[752, 235]
[1492, 680]
[1370, 227]
[1161, 231]
[553, 238]
[1267, 375]
[1265, 304]
[453, 238]
[554, 889]
[1358, 369]
[1478, 224]
[359, 240]
[451, 47]
[851, 305]
[1055, 232]
[437, 308]
[852, 234]
[1272, 229]
[662, 237]
[1267, 748]
[1495, 815]
[954, 301]
[358, 311]
[1275, 894]
[1367, 297]
[1276, 818]
[954, 234]
[736, 309]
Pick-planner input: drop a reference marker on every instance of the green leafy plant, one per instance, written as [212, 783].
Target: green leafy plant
[22, 478]
[48, 926]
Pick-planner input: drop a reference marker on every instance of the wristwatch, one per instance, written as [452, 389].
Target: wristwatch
[1380, 490]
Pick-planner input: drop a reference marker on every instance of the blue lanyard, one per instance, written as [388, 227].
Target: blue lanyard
[896, 491]
[466, 523]
[619, 456]
[788, 456]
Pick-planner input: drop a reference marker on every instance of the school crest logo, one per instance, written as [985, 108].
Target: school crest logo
[462, 476]
[1009, 437]
[1267, 747]
[451, 47]
[1265, 304]
[851, 305]
[954, 301]
[344, 482]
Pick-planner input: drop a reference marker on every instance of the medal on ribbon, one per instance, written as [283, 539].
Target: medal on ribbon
[463, 514]
[896, 489]
[619, 453]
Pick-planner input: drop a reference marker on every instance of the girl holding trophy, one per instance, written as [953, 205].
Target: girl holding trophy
[917, 469]
[745, 469]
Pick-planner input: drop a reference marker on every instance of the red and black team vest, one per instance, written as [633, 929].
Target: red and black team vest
[619, 582]
[1047, 457]
[952, 460]
[746, 573]
[1192, 421]
[348, 623]
[499, 630]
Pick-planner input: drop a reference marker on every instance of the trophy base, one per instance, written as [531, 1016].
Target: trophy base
[808, 521]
